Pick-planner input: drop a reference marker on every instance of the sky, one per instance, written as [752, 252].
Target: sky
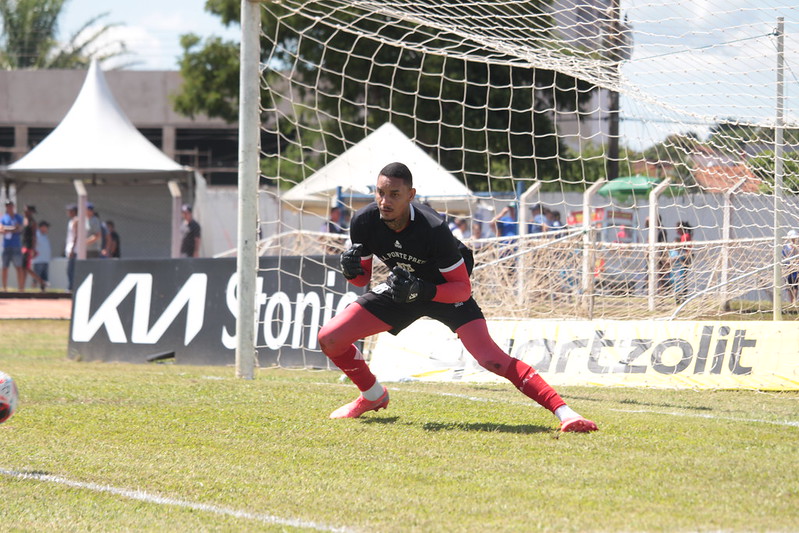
[151, 28]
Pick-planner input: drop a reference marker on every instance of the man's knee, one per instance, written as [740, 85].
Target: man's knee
[328, 340]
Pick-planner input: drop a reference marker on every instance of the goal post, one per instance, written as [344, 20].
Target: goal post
[249, 176]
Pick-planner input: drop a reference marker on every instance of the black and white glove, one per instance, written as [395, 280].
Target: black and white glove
[351, 262]
[407, 288]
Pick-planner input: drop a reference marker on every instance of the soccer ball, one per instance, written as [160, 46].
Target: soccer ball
[8, 397]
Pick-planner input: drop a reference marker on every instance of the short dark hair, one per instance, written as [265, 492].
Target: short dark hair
[398, 170]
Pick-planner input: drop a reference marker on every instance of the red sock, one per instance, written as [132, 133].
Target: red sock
[356, 369]
[532, 385]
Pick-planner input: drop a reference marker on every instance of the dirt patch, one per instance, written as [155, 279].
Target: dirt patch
[59, 308]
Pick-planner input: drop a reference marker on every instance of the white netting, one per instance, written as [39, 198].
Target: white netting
[507, 95]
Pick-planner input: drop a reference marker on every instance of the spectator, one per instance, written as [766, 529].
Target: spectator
[622, 235]
[540, 219]
[553, 221]
[41, 263]
[790, 254]
[476, 236]
[506, 223]
[680, 261]
[94, 233]
[12, 244]
[112, 244]
[336, 223]
[70, 252]
[190, 234]
[461, 229]
[661, 255]
[29, 248]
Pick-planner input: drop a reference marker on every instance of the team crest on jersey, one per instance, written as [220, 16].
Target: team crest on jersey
[397, 244]
[406, 266]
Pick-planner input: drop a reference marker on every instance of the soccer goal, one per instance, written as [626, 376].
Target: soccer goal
[646, 150]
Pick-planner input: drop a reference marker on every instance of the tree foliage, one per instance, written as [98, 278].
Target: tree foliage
[676, 150]
[764, 167]
[210, 78]
[29, 39]
[477, 118]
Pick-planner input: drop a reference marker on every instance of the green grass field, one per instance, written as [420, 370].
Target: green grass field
[120, 447]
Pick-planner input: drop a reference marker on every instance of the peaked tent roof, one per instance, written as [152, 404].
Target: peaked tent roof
[356, 170]
[95, 138]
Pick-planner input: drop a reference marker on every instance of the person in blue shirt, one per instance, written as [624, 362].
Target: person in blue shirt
[12, 223]
[44, 253]
[539, 223]
[790, 256]
[506, 223]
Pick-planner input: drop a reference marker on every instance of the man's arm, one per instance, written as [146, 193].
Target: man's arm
[457, 288]
[407, 288]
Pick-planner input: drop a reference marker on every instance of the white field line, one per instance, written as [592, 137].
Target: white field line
[163, 500]
[787, 423]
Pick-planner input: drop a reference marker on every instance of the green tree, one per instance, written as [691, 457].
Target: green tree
[732, 136]
[30, 28]
[676, 151]
[462, 109]
[763, 166]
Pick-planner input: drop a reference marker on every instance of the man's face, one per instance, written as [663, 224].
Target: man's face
[393, 198]
[10, 209]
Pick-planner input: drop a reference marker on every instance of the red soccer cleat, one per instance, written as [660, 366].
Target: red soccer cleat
[578, 425]
[360, 406]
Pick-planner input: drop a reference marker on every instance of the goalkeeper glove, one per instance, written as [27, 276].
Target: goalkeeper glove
[351, 262]
[407, 288]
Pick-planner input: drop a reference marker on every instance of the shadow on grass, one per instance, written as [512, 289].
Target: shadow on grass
[464, 426]
[492, 428]
[379, 420]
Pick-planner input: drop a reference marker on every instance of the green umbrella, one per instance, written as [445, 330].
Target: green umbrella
[636, 186]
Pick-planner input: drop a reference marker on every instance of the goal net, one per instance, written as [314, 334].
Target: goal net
[581, 119]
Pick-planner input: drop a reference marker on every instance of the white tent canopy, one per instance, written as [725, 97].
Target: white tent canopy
[355, 172]
[99, 151]
[96, 139]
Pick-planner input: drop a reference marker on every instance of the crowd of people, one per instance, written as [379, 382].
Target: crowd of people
[26, 242]
[544, 219]
[673, 263]
[27, 248]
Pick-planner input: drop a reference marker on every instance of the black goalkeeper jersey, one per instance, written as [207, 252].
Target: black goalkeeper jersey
[425, 247]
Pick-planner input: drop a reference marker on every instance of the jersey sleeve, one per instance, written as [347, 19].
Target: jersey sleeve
[446, 254]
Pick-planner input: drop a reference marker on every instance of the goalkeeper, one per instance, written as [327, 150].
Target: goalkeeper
[429, 277]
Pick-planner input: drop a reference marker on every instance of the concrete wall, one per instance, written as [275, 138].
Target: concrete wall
[41, 98]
